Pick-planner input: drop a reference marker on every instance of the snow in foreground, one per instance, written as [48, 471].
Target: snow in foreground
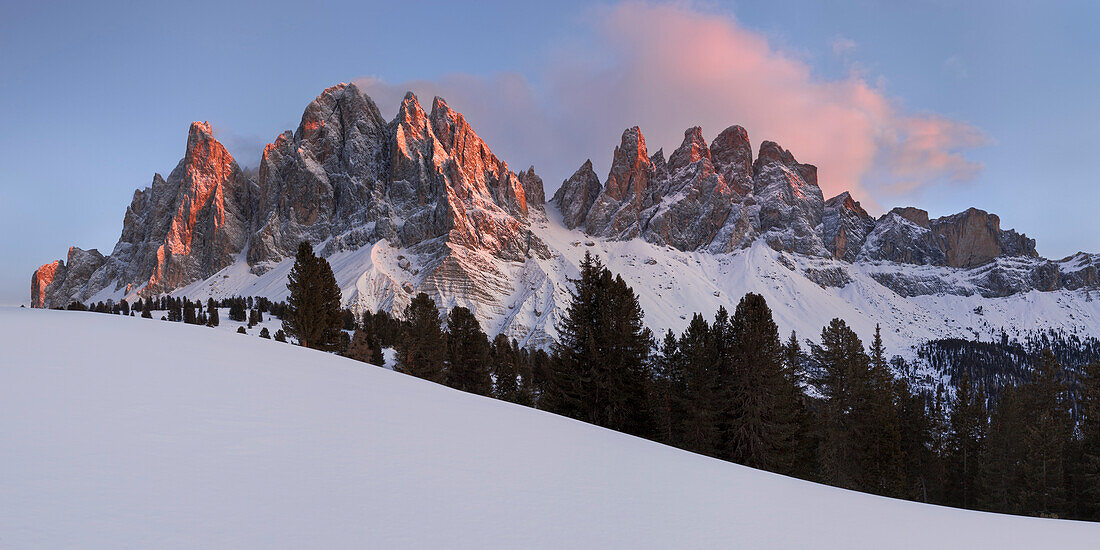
[126, 432]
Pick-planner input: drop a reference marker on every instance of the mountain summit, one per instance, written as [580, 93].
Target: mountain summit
[421, 203]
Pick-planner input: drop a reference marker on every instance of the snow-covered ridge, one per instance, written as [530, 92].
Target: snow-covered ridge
[248, 443]
[421, 204]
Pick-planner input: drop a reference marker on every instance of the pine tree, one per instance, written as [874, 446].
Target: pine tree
[1046, 437]
[965, 446]
[241, 330]
[696, 402]
[364, 347]
[264, 333]
[599, 371]
[314, 315]
[236, 309]
[1088, 470]
[212, 319]
[189, 312]
[762, 400]
[505, 367]
[844, 381]
[877, 417]
[280, 336]
[1001, 473]
[467, 358]
[421, 347]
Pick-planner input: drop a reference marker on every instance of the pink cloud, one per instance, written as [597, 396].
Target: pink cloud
[669, 67]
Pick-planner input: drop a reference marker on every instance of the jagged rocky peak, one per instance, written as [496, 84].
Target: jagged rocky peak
[630, 168]
[178, 230]
[532, 188]
[846, 226]
[694, 148]
[482, 170]
[577, 194]
[791, 203]
[207, 202]
[731, 154]
[627, 191]
[694, 202]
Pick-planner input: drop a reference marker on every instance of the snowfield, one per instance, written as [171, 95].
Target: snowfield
[120, 432]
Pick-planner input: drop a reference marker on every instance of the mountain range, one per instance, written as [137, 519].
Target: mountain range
[420, 203]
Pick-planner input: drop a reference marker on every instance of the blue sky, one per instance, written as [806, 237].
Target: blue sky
[99, 97]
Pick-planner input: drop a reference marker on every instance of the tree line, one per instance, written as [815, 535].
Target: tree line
[1021, 438]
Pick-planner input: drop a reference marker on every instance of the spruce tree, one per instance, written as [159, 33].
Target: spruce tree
[1088, 470]
[364, 347]
[599, 371]
[189, 312]
[696, 402]
[877, 417]
[762, 399]
[264, 333]
[421, 347]
[965, 446]
[313, 314]
[467, 358]
[505, 366]
[841, 379]
[1046, 437]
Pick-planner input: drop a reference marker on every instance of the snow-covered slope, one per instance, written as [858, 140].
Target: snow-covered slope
[804, 292]
[120, 432]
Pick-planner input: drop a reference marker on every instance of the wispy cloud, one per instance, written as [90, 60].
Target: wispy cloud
[668, 67]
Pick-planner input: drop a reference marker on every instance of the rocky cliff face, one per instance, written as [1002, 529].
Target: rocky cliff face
[425, 182]
[421, 203]
[176, 231]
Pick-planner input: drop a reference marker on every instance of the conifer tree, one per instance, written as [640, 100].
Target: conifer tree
[505, 366]
[364, 347]
[189, 312]
[264, 333]
[1088, 471]
[313, 313]
[467, 358]
[212, 317]
[280, 336]
[965, 446]
[1046, 437]
[877, 417]
[764, 404]
[697, 403]
[842, 380]
[599, 371]
[1001, 474]
[421, 347]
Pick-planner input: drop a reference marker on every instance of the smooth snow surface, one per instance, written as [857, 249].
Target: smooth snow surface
[120, 432]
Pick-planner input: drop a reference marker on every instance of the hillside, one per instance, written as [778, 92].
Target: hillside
[114, 434]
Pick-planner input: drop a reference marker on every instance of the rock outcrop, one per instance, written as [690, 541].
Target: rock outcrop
[423, 204]
[846, 226]
[344, 179]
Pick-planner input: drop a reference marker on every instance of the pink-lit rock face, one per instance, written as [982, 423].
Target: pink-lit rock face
[41, 280]
[427, 183]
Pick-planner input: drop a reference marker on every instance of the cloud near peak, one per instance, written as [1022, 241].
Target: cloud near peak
[669, 67]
